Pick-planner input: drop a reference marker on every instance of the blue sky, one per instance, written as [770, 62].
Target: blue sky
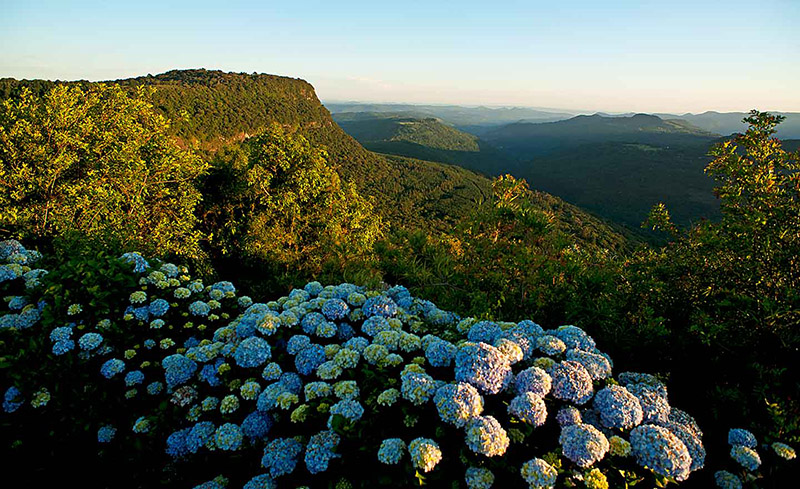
[647, 56]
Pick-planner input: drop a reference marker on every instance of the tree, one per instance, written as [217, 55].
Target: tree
[277, 200]
[96, 163]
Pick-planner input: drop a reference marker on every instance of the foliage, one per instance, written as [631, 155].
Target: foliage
[277, 200]
[99, 163]
[728, 290]
[512, 255]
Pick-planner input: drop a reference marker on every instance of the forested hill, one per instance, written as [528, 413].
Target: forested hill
[210, 109]
[429, 132]
[527, 139]
[425, 138]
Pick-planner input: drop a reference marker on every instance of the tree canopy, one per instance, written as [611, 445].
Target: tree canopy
[98, 162]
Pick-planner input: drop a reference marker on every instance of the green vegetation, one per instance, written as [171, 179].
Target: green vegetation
[276, 200]
[622, 181]
[97, 164]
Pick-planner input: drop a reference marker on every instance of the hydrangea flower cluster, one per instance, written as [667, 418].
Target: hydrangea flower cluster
[326, 370]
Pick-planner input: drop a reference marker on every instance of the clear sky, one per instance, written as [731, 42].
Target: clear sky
[644, 56]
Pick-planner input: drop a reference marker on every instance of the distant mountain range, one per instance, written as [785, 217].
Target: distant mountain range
[526, 140]
[475, 120]
[480, 120]
[727, 123]
[616, 166]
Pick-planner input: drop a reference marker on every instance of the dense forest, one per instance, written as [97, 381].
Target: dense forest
[247, 183]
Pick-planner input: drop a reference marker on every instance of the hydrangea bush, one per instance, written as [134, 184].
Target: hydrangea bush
[341, 386]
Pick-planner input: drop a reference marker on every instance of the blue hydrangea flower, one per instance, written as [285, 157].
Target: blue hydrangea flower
[417, 387]
[574, 338]
[280, 456]
[177, 445]
[375, 325]
[571, 382]
[683, 419]
[90, 341]
[170, 270]
[583, 444]
[262, 481]
[661, 451]
[229, 436]
[12, 399]
[256, 425]
[141, 313]
[425, 453]
[134, 377]
[739, 436]
[320, 451]
[568, 415]
[458, 403]
[746, 457]
[268, 398]
[252, 352]
[358, 344]
[297, 343]
[315, 390]
[539, 474]
[347, 358]
[313, 288]
[199, 308]
[155, 388]
[178, 369]
[440, 353]
[17, 302]
[550, 345]
[653, 399]
[140, 265]
[141, 425]
[62, 347]
[391, 451]
[693, 444]
[598, 366]
[106, 433]
[112, 367]
[380, 305]
[784, 451]
[309, 359]
[335, 309]
[272, 371]
[726, 480]
[351, 410]
[483, 366]
[375, 354]
[617, 407]
[484, 331]
[159, 307]
[62, 333]
[229, 404]
[479, 478]
[201, 435]
[311, 321]
[533, 379]
[208, 374]
[529, 408]
[485, 435]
